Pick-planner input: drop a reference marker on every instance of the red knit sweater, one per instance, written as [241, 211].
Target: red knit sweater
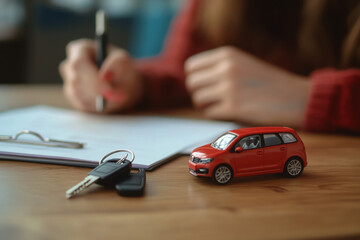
[333, 104]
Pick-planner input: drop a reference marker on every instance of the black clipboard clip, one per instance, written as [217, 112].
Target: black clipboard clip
[43, 141]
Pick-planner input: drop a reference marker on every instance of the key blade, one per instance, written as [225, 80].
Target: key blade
[81, 186]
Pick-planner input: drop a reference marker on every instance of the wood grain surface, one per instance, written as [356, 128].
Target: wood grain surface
[323, 203]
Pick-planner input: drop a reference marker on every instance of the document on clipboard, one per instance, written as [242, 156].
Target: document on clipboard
[153, 139]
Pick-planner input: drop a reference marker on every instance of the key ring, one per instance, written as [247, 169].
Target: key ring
[121, 160]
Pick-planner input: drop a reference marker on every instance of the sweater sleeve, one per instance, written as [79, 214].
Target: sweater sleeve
[164, 75]
[334, 101]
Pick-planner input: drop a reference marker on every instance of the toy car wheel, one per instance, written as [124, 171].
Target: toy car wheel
[222, 174]
[293, 167]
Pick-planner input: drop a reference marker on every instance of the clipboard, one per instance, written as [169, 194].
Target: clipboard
[155, 140]
[41, 140]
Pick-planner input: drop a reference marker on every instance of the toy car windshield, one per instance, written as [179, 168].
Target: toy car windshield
[223, 141]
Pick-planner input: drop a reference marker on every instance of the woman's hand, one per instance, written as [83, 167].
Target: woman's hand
[117, 79]
[229, 84]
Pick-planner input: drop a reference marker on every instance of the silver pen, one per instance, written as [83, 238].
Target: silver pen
[101, 48]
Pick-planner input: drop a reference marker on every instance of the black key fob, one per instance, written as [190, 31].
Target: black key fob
[133, 185]
[120, 171]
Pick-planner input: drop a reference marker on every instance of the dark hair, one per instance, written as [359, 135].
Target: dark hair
[317, 33]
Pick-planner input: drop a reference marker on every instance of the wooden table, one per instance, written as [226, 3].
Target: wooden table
[324, 203]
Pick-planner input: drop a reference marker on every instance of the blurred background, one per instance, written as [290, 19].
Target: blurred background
[34, 33]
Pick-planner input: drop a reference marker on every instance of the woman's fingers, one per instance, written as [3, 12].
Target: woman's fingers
[207, 59]
[211, 81]
[81, 49]
[115, 66]
[120, 80]
[201, 78]
[79, 103]
[114, 74]
[117, 80]
[79, 74]
[208, 95]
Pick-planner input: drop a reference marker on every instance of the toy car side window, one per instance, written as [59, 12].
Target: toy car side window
[271, 139]
[249, 142]
[288, 137]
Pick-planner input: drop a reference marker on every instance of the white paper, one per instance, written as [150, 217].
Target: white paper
[152, 139]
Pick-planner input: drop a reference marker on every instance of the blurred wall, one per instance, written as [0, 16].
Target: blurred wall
[32, 48]
[13, 45]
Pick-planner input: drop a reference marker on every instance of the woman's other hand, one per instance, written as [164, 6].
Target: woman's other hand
[117, 80]
[227, 83]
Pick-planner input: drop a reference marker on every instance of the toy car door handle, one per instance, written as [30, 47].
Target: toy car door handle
[260, 152]
[282, 148]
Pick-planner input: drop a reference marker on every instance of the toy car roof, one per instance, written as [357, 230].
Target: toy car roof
[259, 130]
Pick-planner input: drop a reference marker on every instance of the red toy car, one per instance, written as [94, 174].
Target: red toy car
[250, 151]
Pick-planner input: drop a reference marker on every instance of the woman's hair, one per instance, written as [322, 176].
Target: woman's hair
[317, 33]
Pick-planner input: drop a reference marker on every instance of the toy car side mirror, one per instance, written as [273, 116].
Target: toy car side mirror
[238, 149]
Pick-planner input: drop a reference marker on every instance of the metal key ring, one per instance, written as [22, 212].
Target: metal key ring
[120, 150]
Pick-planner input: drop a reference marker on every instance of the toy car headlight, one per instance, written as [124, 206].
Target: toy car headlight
[206, 160]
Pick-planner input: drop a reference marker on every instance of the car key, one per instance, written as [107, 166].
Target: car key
[107, 173]
[132, 185]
